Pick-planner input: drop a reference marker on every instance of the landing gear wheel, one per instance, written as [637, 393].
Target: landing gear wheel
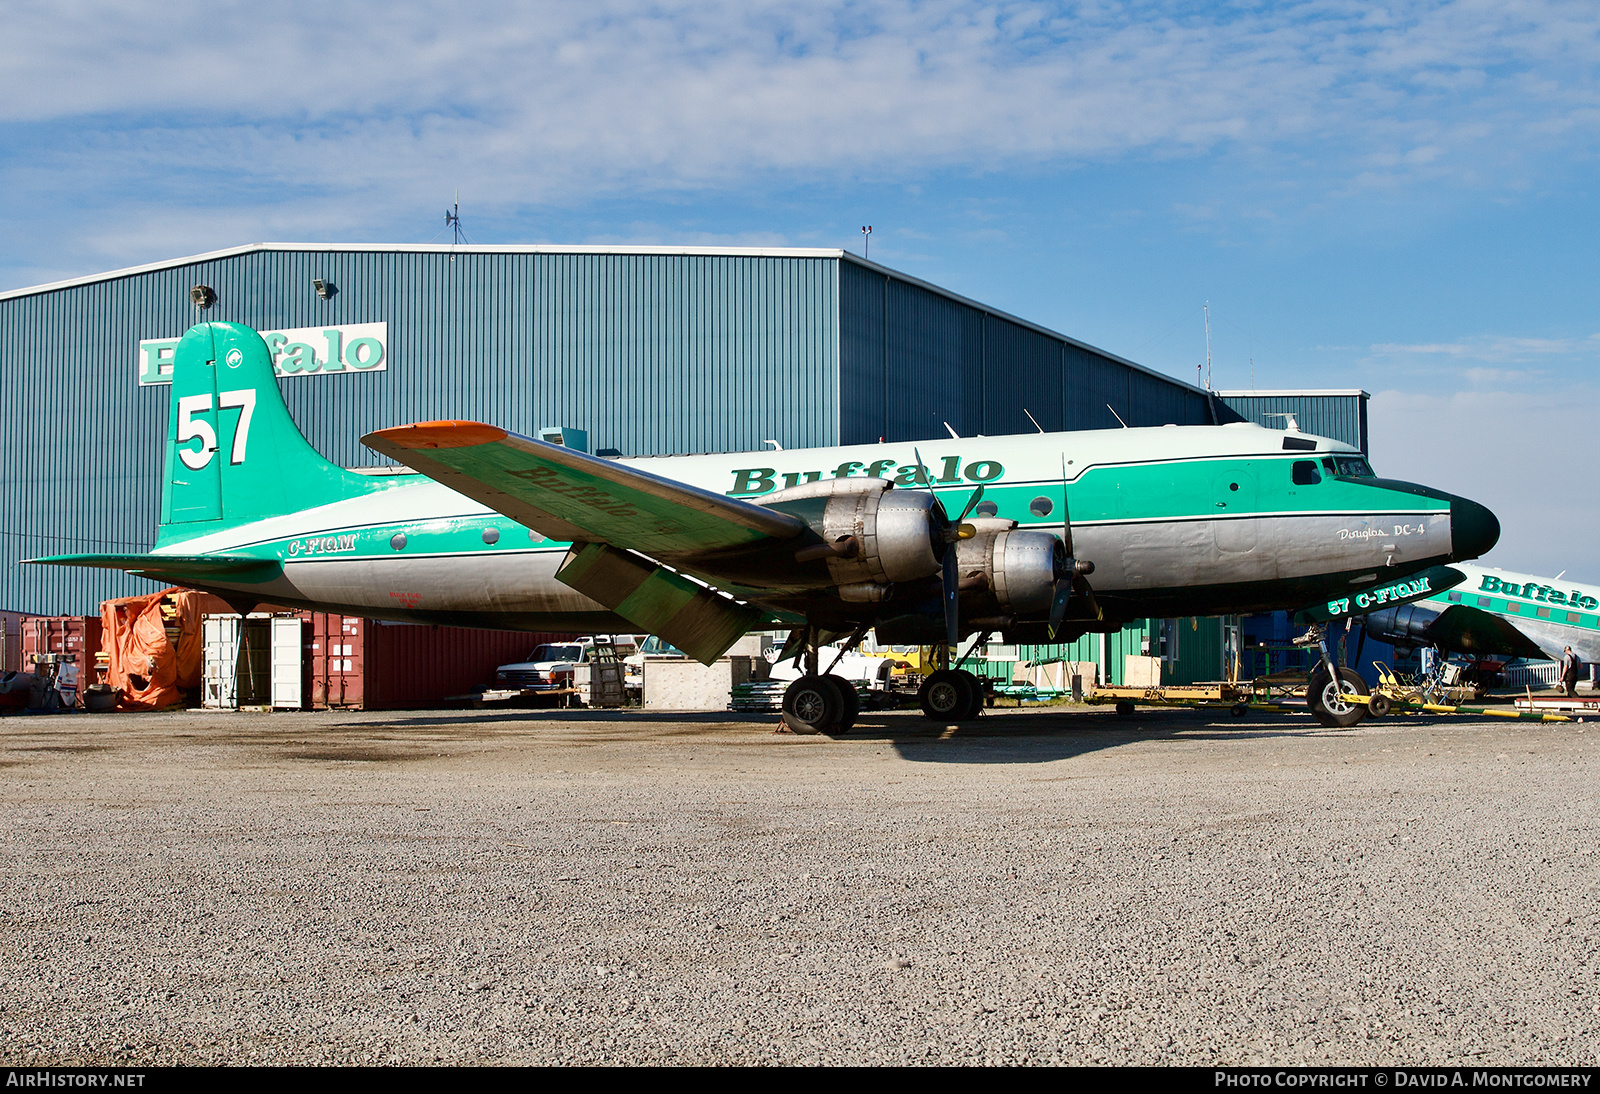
[1338, 705]
[849, 703]
[975, 685]
[812, 704]
[1378, 706]
[1124, 707]
[946, 696]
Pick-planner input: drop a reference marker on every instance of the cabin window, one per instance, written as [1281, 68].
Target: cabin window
[986, 509]
[1455, 598]
[1040, 507]
[1305, 473]
[1483, 602]
[1573, 617]
[1544, 613]
[1513, 606]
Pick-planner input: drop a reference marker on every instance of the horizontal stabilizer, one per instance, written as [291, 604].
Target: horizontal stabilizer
[176, 568]
[692, 617]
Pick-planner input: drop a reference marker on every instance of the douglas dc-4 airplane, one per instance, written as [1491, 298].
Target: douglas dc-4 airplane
[486, 528]
[1498, 612]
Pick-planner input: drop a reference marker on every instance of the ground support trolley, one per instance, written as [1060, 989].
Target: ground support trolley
[1236, 698]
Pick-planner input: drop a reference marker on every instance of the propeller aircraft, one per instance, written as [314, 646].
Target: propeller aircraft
[482, 527]
[1498, 612]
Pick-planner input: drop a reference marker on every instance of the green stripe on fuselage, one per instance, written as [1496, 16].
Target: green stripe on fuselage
[1198, 489]
[1191, 489]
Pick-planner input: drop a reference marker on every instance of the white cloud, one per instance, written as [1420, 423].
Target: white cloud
[198, 125]
[563, 97]
[1495, 348]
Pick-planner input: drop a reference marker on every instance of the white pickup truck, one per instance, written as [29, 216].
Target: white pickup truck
[550, 667]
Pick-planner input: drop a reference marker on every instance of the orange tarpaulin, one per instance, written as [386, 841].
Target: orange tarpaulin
[146, 669]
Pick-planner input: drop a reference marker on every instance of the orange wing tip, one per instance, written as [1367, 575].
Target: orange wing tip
[442, 435]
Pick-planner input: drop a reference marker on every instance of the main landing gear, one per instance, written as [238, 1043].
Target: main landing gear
[819, 702]
[951, 695]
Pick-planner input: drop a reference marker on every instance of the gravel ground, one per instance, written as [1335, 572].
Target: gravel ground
[582, 887]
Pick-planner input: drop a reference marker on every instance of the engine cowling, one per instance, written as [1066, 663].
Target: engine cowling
[1405, 626]
[1018, 569]
[872, 536]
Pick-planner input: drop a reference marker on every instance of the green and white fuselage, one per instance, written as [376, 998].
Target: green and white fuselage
[1500, 612]
[1186, 520]
[1179, 520]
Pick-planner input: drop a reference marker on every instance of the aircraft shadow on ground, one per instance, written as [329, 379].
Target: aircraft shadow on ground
[1043, 739]
[1037, 738]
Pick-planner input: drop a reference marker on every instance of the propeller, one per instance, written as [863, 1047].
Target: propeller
[951, 593]
[1072, 573]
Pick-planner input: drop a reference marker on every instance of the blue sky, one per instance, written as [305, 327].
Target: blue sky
[1390, 196]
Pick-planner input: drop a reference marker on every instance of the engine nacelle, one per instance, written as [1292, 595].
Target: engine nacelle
[1404, 627]
[873, 536]
[1019, 568]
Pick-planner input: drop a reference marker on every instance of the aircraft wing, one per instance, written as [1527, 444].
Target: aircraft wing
[1470, 630]
[607, 511]
[570, 495]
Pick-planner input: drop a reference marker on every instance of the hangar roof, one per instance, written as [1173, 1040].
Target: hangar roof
[592, 249]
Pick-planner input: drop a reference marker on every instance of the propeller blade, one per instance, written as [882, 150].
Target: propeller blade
[951, 592]
[1058, 606]
[1066, 520]
[1083, 587]
[952, 598]
[972, 503]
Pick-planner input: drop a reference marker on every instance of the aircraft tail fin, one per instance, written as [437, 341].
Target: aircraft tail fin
[233, 453]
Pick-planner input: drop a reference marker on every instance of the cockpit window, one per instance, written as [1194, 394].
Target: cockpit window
[1305, 473]
[1351, 467]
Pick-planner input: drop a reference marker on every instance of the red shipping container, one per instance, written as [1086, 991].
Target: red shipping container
[11, 641]
[370, 664]
[75, 635]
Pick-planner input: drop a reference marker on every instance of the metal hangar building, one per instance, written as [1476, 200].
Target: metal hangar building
[645, 350]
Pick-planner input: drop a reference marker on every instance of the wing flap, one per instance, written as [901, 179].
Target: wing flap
[570, 495]
[693, 618]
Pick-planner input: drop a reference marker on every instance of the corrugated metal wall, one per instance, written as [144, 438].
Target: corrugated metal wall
[1341, 415]
[651, 353]
[912, 359]
[1198, 658]
[1128, 642]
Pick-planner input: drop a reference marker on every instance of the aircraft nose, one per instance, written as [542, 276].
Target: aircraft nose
[1473, 529]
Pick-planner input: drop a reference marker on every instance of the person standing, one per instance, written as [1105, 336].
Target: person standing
[1569, 671]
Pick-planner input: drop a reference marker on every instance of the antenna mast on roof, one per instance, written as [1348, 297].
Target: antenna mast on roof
[1208, 345]
[452, 219]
